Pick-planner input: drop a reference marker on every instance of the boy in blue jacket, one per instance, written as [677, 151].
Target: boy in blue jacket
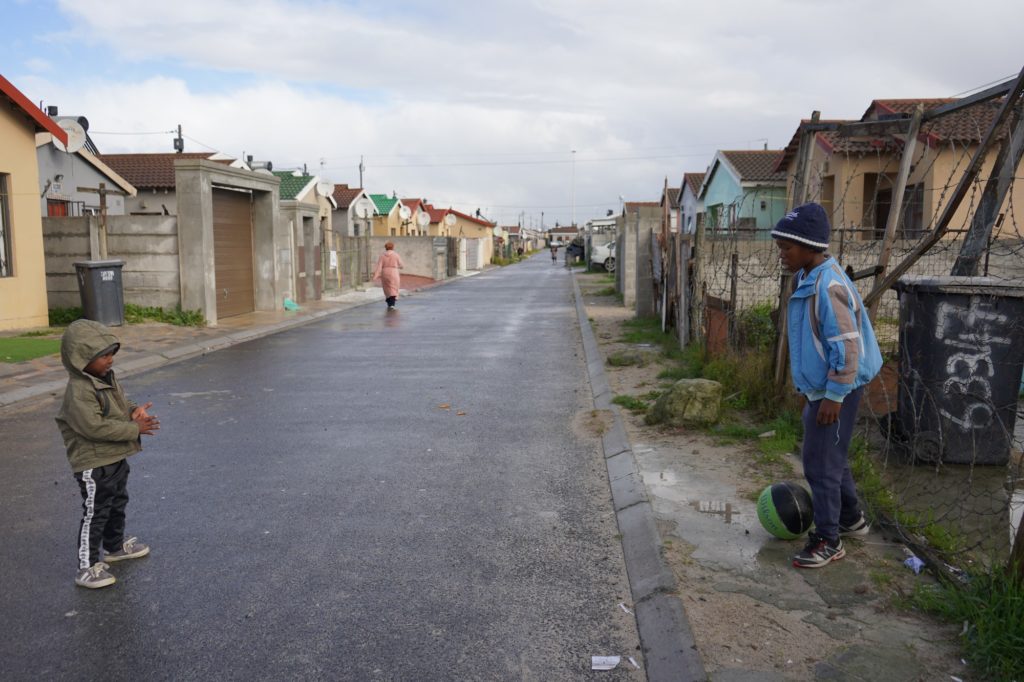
[833, 354]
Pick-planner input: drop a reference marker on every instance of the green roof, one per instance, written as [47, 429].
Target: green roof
[384, 203]
[292, 184]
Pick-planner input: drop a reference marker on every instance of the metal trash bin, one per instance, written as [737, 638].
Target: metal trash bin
[961, 358]
[102, 292]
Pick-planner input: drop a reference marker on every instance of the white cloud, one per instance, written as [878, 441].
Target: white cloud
[510, 81]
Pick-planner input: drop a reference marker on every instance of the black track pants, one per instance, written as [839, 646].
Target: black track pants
[104, 498]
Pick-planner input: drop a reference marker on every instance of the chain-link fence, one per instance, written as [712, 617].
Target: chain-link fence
[938, 450]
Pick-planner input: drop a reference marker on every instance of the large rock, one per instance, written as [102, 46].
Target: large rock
[690, 402]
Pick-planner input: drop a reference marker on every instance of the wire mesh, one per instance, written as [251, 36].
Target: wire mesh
[940, 435]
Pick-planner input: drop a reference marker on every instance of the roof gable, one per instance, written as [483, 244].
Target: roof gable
[150, 171]
[693, 181]
[40, 121]
[383, 203]
[294, 184]
[344, 195]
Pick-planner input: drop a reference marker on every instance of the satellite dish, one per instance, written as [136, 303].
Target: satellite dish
[423, 220]
[450, 220]
[404, 212]
[325, 188]
[76, 135]
[497, 231]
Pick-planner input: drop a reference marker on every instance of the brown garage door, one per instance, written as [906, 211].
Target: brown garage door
[232, 252]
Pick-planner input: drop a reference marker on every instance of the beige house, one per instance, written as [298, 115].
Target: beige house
[853, 177]
[387, 219]
[23, 302]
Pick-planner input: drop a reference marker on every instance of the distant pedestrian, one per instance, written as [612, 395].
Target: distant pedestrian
[833, 354]
[554, 254]
[386, 271]
[101, 429]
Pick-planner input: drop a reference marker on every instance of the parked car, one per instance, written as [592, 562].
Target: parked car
[603, 255]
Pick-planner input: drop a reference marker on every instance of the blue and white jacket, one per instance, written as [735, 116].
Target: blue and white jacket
[832, 347]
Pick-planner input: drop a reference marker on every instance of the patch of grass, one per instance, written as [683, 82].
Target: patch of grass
[39, 332]
[627, 358]
[631, 403]
[134, 314]
[652, 395]
[992, 606]
[757, 330]
[786, 430]
[19, 349]
[607, 291]
[62, 317]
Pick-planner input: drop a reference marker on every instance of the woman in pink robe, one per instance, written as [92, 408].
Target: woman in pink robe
[386, 271]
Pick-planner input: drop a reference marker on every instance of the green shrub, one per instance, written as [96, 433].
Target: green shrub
[133, 314]
[62, 317]
[757, 330]
[631, 403]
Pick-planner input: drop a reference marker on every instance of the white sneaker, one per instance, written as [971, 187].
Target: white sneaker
[95, 576]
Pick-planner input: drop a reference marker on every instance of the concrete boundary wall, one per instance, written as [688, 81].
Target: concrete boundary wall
[418, 255]
[147, 244]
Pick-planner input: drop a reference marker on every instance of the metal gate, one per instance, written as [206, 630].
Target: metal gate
[232, 252]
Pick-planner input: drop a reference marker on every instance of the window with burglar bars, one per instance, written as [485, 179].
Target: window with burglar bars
[6, 258]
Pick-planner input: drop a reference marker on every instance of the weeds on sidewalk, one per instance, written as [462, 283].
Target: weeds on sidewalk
[134, 314]
[631, 403]
[991, 608]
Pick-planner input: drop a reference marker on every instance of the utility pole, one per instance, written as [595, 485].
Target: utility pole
[103, 192]
[179, 142]
[574, 188]
[361, 168]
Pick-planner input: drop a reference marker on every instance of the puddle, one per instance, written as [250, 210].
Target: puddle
[726, 510]
[705, 511]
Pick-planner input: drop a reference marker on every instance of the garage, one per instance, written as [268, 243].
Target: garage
[232, 252]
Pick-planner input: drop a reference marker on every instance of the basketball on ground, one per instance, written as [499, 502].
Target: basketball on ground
[785, 511]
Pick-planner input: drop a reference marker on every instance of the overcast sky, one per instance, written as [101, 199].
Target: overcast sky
[480, 104]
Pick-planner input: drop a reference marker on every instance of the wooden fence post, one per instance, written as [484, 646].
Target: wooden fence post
[803, 174]
[697, 284]
[896, 208]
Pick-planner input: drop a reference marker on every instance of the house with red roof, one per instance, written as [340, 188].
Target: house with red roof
[853, 177]
[560, 235]
[23, 300]
[152, 175]
[415, 218]
[353, 216]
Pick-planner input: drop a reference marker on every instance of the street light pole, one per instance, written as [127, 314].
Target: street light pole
[574, 188]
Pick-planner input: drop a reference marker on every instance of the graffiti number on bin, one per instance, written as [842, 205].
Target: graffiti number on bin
[967, 389]
[107, 275]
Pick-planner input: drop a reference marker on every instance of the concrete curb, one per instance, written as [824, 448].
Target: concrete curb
[196, 348]
[670, 652]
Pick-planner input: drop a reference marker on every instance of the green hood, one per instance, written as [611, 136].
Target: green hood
[83, 341]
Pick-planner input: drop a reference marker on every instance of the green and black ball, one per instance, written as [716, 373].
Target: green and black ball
[785, 511]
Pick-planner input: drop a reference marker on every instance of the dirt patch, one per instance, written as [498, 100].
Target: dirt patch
[751, 612]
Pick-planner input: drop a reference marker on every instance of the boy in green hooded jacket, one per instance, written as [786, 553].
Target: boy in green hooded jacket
[101, 429]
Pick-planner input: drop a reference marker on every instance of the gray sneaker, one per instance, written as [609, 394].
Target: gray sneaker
[95, 576]
[131, 549]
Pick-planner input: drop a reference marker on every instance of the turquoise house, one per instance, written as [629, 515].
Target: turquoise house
[744, 193]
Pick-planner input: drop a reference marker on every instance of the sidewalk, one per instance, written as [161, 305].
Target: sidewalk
[154, 344]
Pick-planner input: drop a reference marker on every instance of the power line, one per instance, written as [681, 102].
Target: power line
[110, 132]
[985, 85]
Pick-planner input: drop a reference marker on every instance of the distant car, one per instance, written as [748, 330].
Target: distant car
[603, 255]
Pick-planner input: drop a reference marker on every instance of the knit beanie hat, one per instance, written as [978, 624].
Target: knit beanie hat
[807, 225]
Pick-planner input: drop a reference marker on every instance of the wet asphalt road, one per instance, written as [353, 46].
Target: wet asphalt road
[314, 513]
